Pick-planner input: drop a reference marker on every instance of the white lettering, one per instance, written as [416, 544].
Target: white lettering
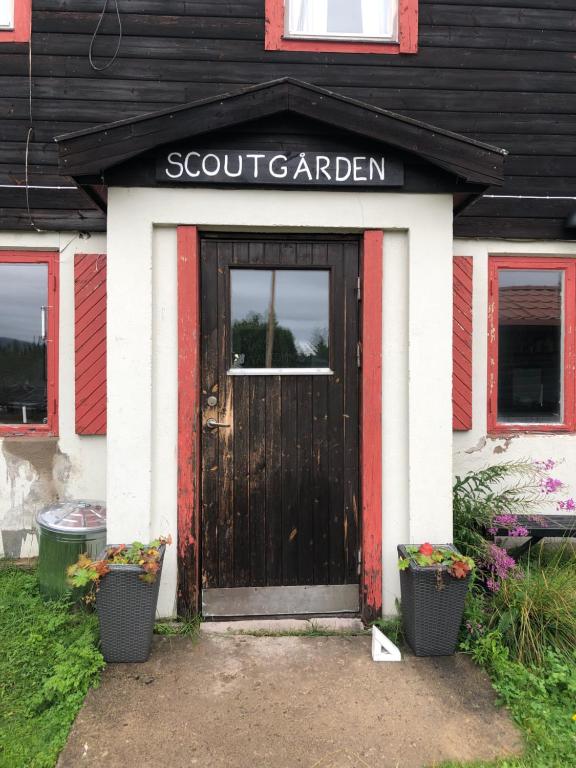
[378, 168]
[228, 172]
[284, 172]
[358, 169]
[322, 163]
[216, 170]
[175, 162]
[303, 167]
[192, 174]
[339, 161]
[256, 159]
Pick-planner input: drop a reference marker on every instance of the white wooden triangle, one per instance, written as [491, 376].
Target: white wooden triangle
[383, 649]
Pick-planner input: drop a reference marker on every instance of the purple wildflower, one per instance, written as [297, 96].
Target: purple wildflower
[499, 565]
[505, 521]
[546, 465]
[518, 531]
[569, 505]
[551, 485]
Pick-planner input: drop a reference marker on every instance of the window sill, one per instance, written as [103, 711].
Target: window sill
[501, 430]
[27, 430]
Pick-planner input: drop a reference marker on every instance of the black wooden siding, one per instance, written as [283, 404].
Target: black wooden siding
[502, 71]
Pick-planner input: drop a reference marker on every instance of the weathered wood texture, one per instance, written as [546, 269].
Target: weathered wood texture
[90, 343]
[500, 71]
[280, 485]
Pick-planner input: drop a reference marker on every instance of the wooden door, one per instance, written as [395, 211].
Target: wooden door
[280, 443]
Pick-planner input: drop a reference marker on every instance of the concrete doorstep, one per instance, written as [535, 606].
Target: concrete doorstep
[239, 701]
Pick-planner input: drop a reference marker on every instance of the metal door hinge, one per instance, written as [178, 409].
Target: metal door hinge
[359, 354]
[359, 288]
[359, 560]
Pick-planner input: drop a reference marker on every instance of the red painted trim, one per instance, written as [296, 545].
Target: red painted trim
[371, 425]
[274, 39]
[51, 258]
[497, 263]
[462, 344]
[188, 421]
[22, 24]
[90, 343]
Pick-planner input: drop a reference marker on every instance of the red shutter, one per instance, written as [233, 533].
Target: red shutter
[90, 343]
[462, 345]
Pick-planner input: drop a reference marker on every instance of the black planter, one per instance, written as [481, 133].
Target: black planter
[432, 606]
[126, 608]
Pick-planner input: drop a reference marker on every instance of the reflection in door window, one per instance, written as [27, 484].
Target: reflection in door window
[530, 333]
[280, 318]
[23, 373]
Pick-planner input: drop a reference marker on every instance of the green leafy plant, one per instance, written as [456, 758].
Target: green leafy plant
[509, 488]
[538, 611]
[442, 558]
[49, 660]
[86, 572]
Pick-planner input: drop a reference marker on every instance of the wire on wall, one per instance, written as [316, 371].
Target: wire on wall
[30, 133]
[94, 36]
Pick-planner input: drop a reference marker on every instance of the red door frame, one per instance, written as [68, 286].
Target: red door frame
[189, 464]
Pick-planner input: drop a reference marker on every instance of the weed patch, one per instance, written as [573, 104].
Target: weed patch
[48, 662]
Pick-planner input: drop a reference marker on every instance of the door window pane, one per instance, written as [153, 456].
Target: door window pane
[23, 373]
[530, 345]
[280, 318]
[373, 19]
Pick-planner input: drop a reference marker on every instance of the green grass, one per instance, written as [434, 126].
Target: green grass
[48, 661]
[181, 627]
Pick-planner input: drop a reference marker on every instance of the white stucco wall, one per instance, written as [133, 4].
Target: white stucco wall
[142, 356]
[37, 470]
[474, 449]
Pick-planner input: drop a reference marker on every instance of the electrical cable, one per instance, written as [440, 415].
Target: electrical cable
[93, 40]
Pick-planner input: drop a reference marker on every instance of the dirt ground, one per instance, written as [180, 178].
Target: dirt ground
[236, 701]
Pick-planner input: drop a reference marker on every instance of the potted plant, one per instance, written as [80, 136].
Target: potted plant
[123, 583]
[434, 581]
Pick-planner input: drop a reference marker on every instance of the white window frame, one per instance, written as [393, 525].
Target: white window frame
[344, 36]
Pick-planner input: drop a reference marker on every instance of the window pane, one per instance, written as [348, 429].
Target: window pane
[23, 386]
[6, 14]
[530, 359]
[280, 318]
[343, 18]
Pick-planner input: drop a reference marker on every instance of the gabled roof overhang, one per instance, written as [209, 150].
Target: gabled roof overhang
[90, 152]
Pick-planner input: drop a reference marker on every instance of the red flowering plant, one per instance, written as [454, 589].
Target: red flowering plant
[86, 573]
[442, 558]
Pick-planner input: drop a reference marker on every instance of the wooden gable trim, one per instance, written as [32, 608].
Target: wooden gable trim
[94, 150]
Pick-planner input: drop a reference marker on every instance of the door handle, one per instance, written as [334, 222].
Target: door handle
[213, 424]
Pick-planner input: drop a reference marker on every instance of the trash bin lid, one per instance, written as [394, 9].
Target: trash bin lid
[80, 516]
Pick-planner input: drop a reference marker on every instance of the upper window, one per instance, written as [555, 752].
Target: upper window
[15, 21]
[531, 343]
[343, 19]
[28, 327]
[347, 26]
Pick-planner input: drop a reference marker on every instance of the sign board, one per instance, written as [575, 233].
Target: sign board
[321, 169]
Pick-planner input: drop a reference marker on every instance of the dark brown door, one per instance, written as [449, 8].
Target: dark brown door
[280, 510]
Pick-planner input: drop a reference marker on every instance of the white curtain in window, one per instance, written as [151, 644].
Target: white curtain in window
[6, 14]
[308, 16]
[378, 17]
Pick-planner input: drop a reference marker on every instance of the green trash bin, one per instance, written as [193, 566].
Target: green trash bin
[65, 530]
